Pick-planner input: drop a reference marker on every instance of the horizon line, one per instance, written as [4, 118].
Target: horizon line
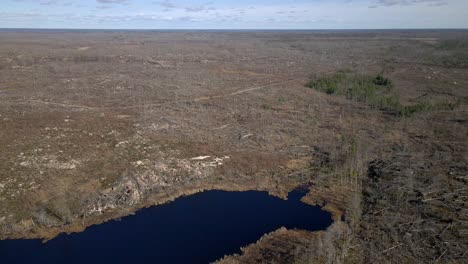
[231, 29]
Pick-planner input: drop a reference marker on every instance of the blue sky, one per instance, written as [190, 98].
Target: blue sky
[234, 14]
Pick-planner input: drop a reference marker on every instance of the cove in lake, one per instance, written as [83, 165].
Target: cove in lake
[200, 228]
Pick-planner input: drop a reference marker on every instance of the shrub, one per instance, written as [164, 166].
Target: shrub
[366, 89]
[328, 84]
[330, 90]
[452, 53]
[455, 60]
[355, 87]
[453, 44]
[382, 81]
[388, 103]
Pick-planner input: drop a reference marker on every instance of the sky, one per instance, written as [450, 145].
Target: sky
[234, 14]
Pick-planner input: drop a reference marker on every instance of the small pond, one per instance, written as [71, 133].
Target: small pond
[199, 228]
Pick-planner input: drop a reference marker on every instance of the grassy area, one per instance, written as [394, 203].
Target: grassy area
[372, 91]
[453, 44]
[453, 60]
[452, 53]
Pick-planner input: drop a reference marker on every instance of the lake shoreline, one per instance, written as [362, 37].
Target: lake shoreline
[155, 199]
[243, 217]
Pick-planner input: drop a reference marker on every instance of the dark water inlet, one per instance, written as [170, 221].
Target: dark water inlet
[200, 228]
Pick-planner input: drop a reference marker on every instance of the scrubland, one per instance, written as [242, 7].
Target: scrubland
[95, 125]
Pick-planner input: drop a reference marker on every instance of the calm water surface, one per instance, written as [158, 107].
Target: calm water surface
[195, 229]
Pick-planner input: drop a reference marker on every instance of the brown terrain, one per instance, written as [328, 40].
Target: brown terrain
[95, 125]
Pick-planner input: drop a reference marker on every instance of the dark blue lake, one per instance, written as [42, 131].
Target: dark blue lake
[200, 228]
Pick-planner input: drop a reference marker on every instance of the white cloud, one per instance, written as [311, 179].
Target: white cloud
[335, 14]
[379, 3]
[112, 1]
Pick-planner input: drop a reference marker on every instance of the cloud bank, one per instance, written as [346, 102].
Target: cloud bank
[234, 14]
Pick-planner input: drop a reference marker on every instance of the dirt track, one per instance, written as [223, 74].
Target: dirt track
[149, 104]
